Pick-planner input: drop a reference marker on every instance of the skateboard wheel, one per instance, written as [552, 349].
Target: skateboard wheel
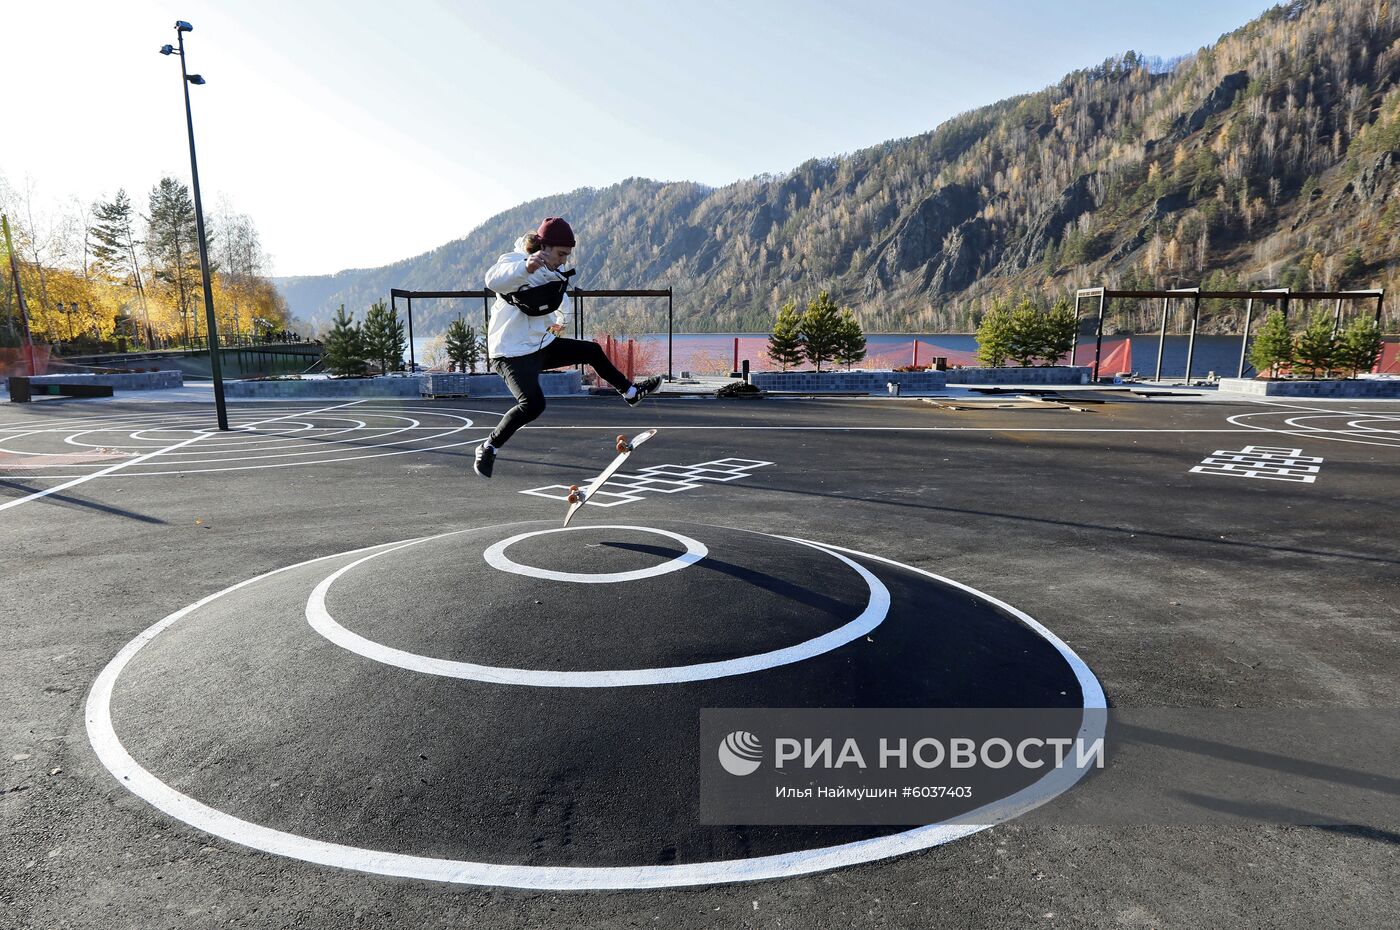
[573, 498]
[573, 488]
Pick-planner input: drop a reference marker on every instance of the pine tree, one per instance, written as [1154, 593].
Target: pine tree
[477, 348]
[114, 248]
[994, 336]
[172, 240]
[384, 336]
[1027, 334]
[1273, 346]
[851, 346]
[459, 335]
[345, 349]
[1316, 346]
[785, 342]
[1360, 347]
[1059, 329]
[821, 329]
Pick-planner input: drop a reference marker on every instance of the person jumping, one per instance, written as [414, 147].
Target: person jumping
[523, 339]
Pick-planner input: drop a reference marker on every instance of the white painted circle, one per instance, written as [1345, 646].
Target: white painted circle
[1310, 422]
[496, 557]
[320, 619]
[129, 773]
[269, 436]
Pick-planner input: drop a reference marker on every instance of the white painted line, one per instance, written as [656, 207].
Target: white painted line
[103, 737]
[1292, 417]
[308, 413]
[496, 557]
[97, 474]
[320, 619]
[136, 461]
[905, 429]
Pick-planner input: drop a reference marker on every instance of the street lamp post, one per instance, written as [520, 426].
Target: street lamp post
[215, 366]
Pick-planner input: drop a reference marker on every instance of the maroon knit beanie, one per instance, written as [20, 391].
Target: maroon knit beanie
[555, 231]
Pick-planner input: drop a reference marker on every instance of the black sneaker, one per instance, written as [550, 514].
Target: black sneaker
[485, 459]
[649, 386]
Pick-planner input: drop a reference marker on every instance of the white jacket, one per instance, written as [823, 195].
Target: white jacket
[513, 333]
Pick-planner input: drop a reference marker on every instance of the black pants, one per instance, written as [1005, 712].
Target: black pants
[522, 376]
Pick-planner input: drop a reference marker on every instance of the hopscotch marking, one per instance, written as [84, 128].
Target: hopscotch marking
[1273, 463]
[625, 487]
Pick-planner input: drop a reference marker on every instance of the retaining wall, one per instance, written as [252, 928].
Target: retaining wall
[555, 384]
[870, 382]
[1060, 374]
[136, 381]
[1358, 387]
[876, 382]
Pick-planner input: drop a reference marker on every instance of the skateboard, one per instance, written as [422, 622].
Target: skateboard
[580, 496]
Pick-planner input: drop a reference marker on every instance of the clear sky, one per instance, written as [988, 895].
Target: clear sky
[360, 132]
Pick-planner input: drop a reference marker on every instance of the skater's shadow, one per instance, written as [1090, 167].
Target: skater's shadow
[761, 580]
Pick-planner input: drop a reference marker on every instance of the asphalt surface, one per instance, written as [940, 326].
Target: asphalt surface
[1175, 588]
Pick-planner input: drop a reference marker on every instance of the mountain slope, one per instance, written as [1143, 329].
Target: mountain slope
[1271, 157]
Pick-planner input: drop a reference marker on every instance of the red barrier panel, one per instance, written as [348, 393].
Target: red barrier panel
[16, 361]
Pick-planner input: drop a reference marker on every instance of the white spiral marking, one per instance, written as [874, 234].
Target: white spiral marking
[129, 773]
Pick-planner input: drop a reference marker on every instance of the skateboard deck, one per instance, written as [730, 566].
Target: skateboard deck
[625, 447]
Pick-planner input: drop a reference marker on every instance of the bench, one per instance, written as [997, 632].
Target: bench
[22, 391]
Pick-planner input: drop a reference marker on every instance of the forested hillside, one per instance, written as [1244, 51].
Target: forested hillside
[1271, 158]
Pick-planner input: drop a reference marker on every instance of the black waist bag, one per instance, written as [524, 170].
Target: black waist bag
[542, 299]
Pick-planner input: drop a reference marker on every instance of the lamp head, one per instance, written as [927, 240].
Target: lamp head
[195, 79]
[182, 26]
[167, 50]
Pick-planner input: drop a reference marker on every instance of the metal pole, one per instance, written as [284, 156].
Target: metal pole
[215, 368]
[1098, 333]
[1244, 342]
[671, 337]
[1074, 346]
[1162, 338]
[1191, 342]
[1337, 318]
[486, 325]
[412, 361]
[578, 322]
